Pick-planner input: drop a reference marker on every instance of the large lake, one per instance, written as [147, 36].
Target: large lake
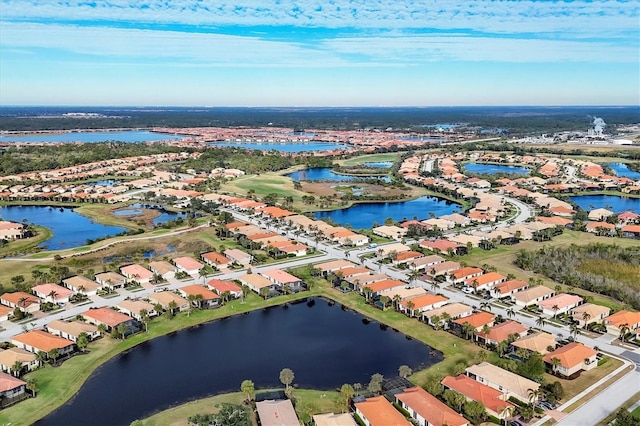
[622, 170]
[325, 346]
[131, 136]
[70, 229]
[610, 202]
[362, 216]
[282, 147]
[492, 169]
[326, 174]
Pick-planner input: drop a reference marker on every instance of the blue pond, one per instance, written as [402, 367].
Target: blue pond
[138, 209]
[70, 229]
[282, 147]
[107, 182]
[492, 169]
[610, 202]
[379, 164]
[133, 136]
[362, 216]
[622, 170]
[323, 344]
[325, 173]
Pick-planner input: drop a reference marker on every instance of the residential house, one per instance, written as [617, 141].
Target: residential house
[333, 266]
[572, 358]
[331, 419]
[215, 259]
[238, 256]
[457, 218]
[257, 283]
[501, 332]
[137, 273]
[485, 281]
[417, 305]
[445, 268]
[510, 384]
[9, 357]
[11, 388]
[453, 310]
[277, 413]
[427, 410]
[5, 311]
[492, 399]
[392, 232]
[477, 320]
[111, 280]
[589, 313]
[377, 411]
[133, 307]
[165, 298]
[630, 231]
[532, 296]
[282, 278]
[52, 293]
[108, 317]
[541, 343]
[400, 294]
[443, 246]
[507, 288]
[71, 330]
[466, 273]
[24, 301]
[601, 228]
[81, 285]
[40, 341]
[12, 230]
[599, 214]
[560, 303]
[379, 288]
[425, 262]
[222, 286]
[621, 319]
[406, 257]
[163, 268]
[188, 265]
[358, 281]
[203, 297]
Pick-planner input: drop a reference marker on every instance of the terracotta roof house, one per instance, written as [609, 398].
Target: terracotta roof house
[163, 268]
[454, 310]
[5, 312]
[80, 284]
[188, 265]
[112, 280]
[572, 358]
[419, 304]
[507, 288]
[72, 329]
[256, 282]
[12, 230]
[353, 271]
[165, 298]
[206, 297]
[485, 281]
[502, 380]
[466, 273]
[52, 293]
[277, 413]
[282, 278]
[600, 228]
[377, 411]
[108, 317]
[616, 321]
[538, 342]
[560, 304]
[477, 320]
[331, 419]
[358, 281]
[443, 268]
[588, 313]
[216, 259]
[24, 301]
[137, 273]
[10, 356]
[334, 265]
[379, 288]
[426, 409]
[221, 286]
[502, 331]
[40, 341]
[133, 307]
[532, 296]
[493, 400]
[11, 387]
[441, 246]
[630, 231]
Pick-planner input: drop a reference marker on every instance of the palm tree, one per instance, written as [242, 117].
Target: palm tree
[586, 316]
[396, 301]
[286, 377]
[624, 330]
[485, 306]
[367, 293]
[404, 371]
[505, 412]
[413, 276]
[121, 329]
[511, 313]
[357, 387]
[144, 318]
[555, 310]
[248, 388]
[468, 330]
[16, 368]
[410, 306]
[102, 328]
[555, 363]
[41, 357]
[172, 307]
[82, 341]
[541, 321]
[534, 395]
[574, 329]
[53, 354]
[502, 347]
[446, 318]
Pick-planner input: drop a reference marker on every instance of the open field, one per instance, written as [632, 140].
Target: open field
[178, 416]
[586, 379]
[21, 246]
[372, 158]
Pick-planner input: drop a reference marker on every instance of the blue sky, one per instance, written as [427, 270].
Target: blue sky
[319, 53]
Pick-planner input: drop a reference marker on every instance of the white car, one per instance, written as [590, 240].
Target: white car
[468, 290]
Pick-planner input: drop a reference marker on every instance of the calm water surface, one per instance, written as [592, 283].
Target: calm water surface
[70, 229]
[324, 345]
[610, 202]
[325, 173]
[362, 216]
[622, 170]
[138, 209]
[133, 136]
[492, 169]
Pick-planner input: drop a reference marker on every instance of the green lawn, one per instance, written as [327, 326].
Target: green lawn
[24, 246]
[177, 416]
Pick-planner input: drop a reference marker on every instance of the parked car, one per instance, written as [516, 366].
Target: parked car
[468, 290]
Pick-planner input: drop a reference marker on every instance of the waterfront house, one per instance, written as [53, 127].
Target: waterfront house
[492, 399]
[108, 317]
[282, 278]
[390, 231]
[222, 286]
[335, 265]
[133, 307]
[560, 303]
[477, 320]
[589, 313]
[572, 358]
[510, 384]
[501, 332]
[205, 297]
[72, 329]
[12, 389]
[188, 265]
[377, 411]
[541, 342]
[599, 214]
[257, 282]
[40, 341]
[453, 310]
[81, 285]
[331, 419]
[111, 280]
[9, 357]
[532, 296]
[277, 413]
[419, 304]
[163, 268]
[164, 298]
[26, 302]
[379, 288]
[52, 293]
[137, 273]
[427, 410]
